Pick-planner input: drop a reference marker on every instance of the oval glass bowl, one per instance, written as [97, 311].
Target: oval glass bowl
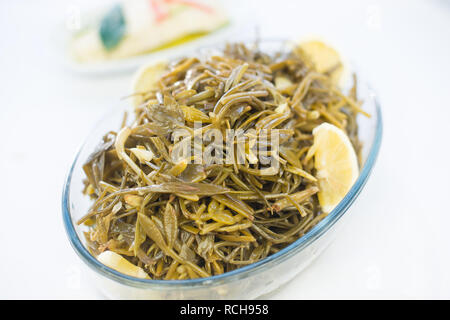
[247, 282]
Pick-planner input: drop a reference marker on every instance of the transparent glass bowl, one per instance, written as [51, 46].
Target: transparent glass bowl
[247, 282]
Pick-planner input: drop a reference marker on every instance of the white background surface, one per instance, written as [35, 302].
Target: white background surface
[394, 245]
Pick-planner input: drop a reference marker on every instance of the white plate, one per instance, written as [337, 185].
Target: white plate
[227, 33]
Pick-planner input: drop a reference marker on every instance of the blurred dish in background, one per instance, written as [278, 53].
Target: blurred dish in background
[132, 29]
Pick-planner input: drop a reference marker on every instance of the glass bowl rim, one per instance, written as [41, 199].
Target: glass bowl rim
[240, 273]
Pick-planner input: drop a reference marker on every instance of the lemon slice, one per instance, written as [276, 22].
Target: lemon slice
[325, 59]
[336, 164]
[146, 79]
[118, 263]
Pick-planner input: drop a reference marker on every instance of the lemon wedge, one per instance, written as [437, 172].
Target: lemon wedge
[336, 164]
[324, 58]
[146, 79]
[118, 263]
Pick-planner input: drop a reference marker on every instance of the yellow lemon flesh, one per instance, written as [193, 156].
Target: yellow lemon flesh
[118, 263]
[336, 164]
[146, 79]
[325, 59]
